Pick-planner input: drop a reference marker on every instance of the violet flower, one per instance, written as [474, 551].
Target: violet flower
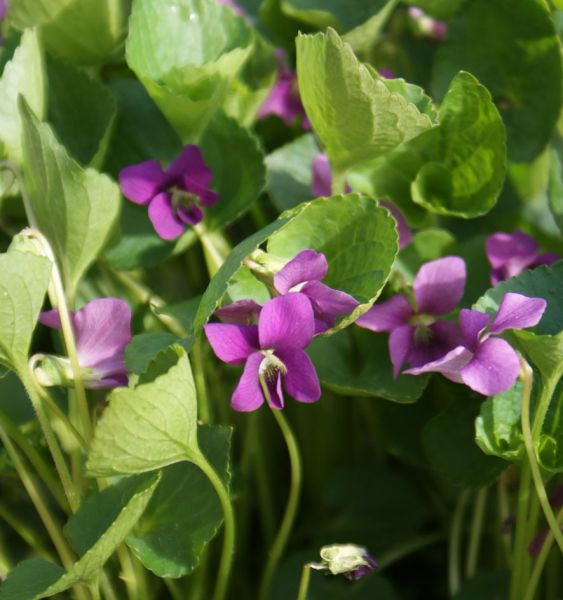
[485, 363]
[322, 186]
[284, 100]
[273, 353]
[175, 196]
[350, 560]
[103, 330]
[303, 274]
[3, 10]
[241, 312]
[432, 28]
[512, 253]
[416, 336]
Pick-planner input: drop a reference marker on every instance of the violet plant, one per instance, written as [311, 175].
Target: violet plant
[269, 324]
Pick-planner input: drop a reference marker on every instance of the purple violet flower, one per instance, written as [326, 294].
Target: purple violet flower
[432, 28]
[487, 364]
[512, 253]
[174, 196]
[273, 351]
[350, 560]
[103, 330]
[322, 186]
[241, 312]
[303, 274]
[416, 336]
[3, 11]
[284, 100]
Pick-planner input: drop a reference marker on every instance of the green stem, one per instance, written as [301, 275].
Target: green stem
[503, 515]
[540, 562]
[107, 587]
[546, 393]
[215, 248]
[229, 528]
[475, 535]
[199, 377]
[521, 558]
[530, 450]
[174, 588]
[292, 503]
[304, 583]
[338, 182]
[454, 550]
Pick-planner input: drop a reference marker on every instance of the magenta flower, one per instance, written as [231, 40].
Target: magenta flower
[487, 364]
[303, 274]
[175, 197]
[416, 336]
[322, 186]
[3, 10]
[512, 253]
[432, 28]
[241, 312]
[103, 330]
[273, 351]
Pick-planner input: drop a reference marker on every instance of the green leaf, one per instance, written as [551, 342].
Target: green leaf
[289, 174]
[439, 9]
[412, 93]
[81, 111]
[355, 116]
[513, 49]
[36, 579]
[497, 428]
[23, 75]
[184, 312]
[24, 279]
[143, 348]
[331, 13]
[555, 186]
[456, 168]
[186, 53]
[27, 13]
[74, 208]
[238, 174]
[149, 426]
[486, 586]
[549, 447]
[185, 513]
[357, 237]
[356, 363]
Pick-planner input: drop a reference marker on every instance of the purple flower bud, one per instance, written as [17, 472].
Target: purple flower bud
[175, 197]
[354, 562]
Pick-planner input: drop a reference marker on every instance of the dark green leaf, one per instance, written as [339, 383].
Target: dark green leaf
[144, 347]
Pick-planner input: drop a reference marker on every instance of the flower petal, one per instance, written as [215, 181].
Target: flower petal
[400, 344]
[387, 316]
[242, 312]
[547, 258]
[439, 285]
[403, 229]
[248, 393]
[232, 343]
[283, 100]
[286, 321]
[301, 380]
[493, 369]
[448, 365]
[107, 383]
[164, 219]
[518, 312]
[275, 392]
[190, 164]
[472, 323]
[51, 318]
[502, 248]
[328, 304]
[322, 176]
[141, 182]
[436, 341]
[308, 265]
[191, 216]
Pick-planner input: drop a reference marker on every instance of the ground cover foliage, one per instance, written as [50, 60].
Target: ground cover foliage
[280, 299]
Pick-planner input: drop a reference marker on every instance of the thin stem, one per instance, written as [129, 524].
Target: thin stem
[215, 249]
[530, 450]
[174, 588]
[229, 528]
[127, 572]
[199, 377]
[107, 587]
[475, 535]
[546, 392]
[521, 558]
[454, 551]
[540, 562]
[304, 583]
[288, 520]
[338, 182]
[503, 515]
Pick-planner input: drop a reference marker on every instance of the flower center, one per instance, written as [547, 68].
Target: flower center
[184, 200]
[422, 320]
[270, 366]
[423, 335]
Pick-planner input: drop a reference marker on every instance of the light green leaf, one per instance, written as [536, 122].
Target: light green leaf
[364, 36]
[555, 186]
[355, 116]
[185, 513]
[412, 93]
[145, 346]
[151, 425]
[186, 53]
[550, 444]
[74, 208]
[513, 49]
[24, 279]
[320, 14]
[23, 75]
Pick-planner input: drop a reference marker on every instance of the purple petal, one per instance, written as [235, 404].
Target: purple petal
[328, 304]
[403, 229]
[449, 365]
[518, 312]
[439, 284]
[107, 383]
[141, 182]
[387, 316]
[275, 392]
[283, 100]
[493, 369]
[286, 321]
[190, 163]
[206, 196]
[301, 380]
[400, 344]
[191, 216]
[322, 176]
[432, 342]
[242, 312]
[248, 393]
[535, 546]
[51, 318]
[232, 343]
[509, 254]
[3, 10]
[308, 265]
[472, 323]
[547, 258]
[164, 219]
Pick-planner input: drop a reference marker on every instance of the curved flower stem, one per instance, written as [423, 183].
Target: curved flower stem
[229, 534]
[530, 450]
[475, 536]
[304, 583]
[540, 562]
[215, 248]
[292, 503]
[521, 558]
[454, 550]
